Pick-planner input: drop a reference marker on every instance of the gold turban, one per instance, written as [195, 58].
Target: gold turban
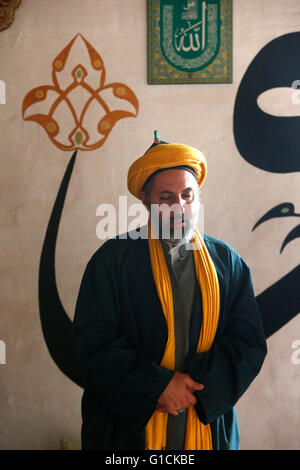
[165, 156]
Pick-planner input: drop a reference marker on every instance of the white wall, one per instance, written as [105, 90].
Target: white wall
[39, 405]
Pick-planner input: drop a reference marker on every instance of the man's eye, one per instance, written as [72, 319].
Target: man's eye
[165, 198]
[187, 196]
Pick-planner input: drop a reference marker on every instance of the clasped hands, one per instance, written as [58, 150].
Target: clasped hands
[179, 394]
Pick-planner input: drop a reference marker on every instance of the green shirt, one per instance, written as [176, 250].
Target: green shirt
[183, 279]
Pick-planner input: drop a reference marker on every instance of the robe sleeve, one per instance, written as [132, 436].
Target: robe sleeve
[237, 354]
[125, 381]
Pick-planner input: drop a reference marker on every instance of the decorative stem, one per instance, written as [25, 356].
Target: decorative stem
[56, 325]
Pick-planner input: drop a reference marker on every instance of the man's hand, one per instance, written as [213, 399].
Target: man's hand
[178, 394]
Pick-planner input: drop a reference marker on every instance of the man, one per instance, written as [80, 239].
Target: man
[166, 325]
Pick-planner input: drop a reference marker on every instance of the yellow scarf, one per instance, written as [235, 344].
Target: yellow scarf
[198, 435]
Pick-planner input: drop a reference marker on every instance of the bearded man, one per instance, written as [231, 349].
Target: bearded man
[166, 324]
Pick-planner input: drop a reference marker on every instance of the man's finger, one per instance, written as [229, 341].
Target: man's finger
[162, 409]
[192, 399]
[195, 385]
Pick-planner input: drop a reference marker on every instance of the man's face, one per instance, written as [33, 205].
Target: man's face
[174, 204]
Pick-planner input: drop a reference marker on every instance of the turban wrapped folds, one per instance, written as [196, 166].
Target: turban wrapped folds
[163, 157]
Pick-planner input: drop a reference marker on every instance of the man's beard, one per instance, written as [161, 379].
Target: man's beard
[174, 235]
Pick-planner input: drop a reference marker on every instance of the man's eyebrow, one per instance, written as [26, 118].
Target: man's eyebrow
[165, 191]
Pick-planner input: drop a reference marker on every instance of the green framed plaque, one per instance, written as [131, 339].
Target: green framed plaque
[189, 41]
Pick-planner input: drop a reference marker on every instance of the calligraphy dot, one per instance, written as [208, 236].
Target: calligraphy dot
[78, 137]
[97, 63]
[104, 125]
[120, 91]
[51, 127]
[58, 64]
[39, 94]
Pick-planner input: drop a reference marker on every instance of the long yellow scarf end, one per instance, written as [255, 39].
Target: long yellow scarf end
[156, 431]
[198, 435]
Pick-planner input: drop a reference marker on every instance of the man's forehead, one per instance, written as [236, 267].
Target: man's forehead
[174, 180]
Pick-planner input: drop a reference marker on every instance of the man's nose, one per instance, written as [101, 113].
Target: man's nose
[180, 204]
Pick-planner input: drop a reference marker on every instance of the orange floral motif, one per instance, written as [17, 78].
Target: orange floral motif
[78, 104]
[7, 9]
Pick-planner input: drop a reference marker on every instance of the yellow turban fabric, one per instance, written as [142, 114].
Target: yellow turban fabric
[165, 156]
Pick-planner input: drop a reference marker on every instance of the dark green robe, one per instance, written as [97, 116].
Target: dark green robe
[120, 334]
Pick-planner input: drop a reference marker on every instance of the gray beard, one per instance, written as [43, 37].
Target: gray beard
[187, 233]
[175, 236]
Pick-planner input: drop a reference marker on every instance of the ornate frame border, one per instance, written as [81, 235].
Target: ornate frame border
[160, 71]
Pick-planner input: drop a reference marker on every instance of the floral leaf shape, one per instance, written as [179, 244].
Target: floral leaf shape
[78, 88]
